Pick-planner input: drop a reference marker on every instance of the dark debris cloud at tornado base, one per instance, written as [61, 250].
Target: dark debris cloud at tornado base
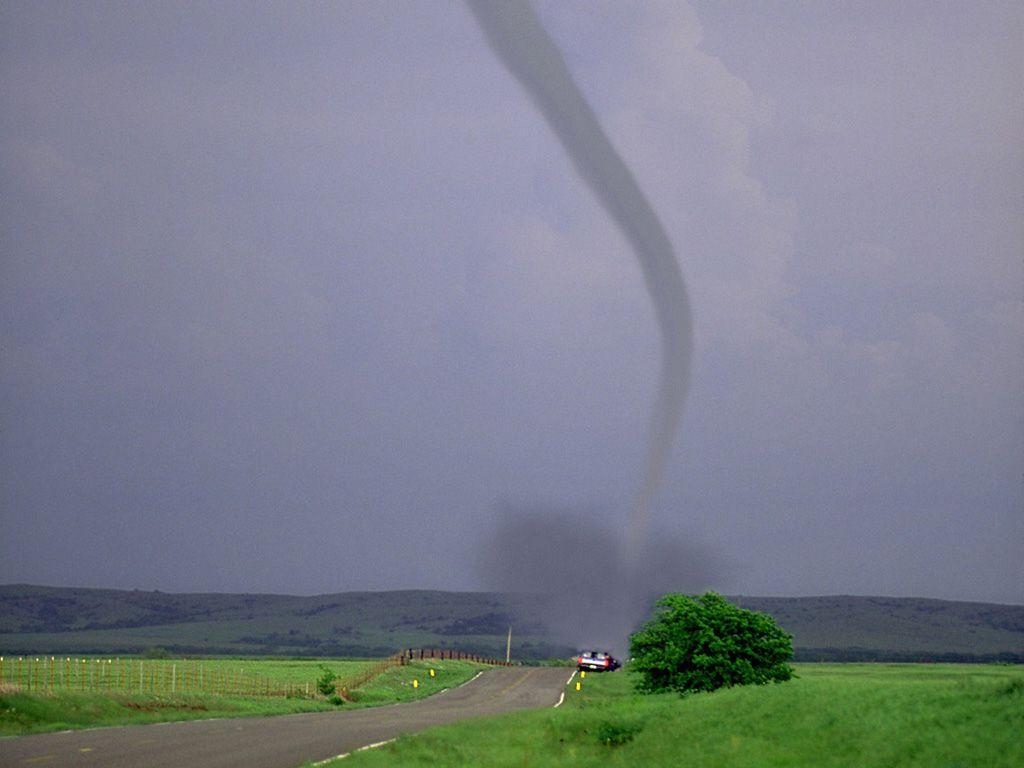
[573, 560]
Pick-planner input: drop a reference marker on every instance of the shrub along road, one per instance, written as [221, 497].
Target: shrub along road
[286, 741]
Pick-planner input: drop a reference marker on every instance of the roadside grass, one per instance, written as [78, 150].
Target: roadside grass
[397, 683]
[949, 716]
[24, 712]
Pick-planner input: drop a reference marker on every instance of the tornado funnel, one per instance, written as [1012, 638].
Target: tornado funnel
[520, 42]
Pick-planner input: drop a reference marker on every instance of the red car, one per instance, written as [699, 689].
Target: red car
[597, 661]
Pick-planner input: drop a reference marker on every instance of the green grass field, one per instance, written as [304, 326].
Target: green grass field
[946, 716]
[22, 713]
[225, 676]
[60, 709]
[397, 684]
[292, 671]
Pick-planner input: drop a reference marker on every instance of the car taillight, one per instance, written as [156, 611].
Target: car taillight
[607, 662]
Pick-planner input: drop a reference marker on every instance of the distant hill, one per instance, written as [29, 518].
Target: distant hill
[66, 620]
[848, 628]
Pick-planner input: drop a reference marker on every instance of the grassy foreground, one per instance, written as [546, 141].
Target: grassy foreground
[24, 712]
[947, 716]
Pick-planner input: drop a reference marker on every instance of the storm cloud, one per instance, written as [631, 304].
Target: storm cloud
[294, 298]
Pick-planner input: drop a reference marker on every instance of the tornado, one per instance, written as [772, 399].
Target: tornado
[521, 43]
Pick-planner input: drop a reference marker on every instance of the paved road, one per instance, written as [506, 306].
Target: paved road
[286, 741]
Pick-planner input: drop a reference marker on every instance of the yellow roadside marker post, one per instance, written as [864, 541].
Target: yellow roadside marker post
[431, 673]
[583, 673]
[415, 683]
[579, 685]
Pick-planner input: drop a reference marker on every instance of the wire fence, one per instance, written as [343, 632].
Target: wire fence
[410, 654]
[141, 676]
[201, 676]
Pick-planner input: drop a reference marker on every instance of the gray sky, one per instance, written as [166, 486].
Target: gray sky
[305, 298]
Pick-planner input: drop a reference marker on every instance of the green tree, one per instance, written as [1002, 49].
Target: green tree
[325, 683]
[705, 643]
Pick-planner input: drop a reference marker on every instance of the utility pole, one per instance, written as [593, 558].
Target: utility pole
[508, 647]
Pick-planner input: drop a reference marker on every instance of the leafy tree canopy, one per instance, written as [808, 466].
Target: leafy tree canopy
[705, 643]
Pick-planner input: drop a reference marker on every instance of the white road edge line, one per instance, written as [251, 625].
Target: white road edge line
[562, 697]
[361, 749]
[474, 677]
[388, 741]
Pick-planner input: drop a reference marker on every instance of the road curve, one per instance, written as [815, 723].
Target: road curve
[285, 741]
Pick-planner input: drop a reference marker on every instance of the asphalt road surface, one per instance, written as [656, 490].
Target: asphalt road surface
[286, 741]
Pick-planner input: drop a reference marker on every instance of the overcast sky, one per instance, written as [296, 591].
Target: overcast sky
[306, 297]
